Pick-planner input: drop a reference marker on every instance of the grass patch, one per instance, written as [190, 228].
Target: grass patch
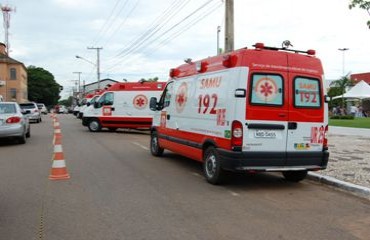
[355, 123]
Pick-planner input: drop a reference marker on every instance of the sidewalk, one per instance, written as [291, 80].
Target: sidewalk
[349, 158]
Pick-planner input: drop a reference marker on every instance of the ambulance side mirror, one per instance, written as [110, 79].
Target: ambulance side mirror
[327, 98]
[88, 104]
[153, 104]
[97, 105]
[240, 93]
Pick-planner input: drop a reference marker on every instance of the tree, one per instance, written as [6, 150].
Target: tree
[42, 86]
[339, 87]
[155, 79]
[361, 4]
[66, 102]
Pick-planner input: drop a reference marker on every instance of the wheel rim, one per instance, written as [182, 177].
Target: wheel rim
[94, 125]
[154, 143]
[211, 165]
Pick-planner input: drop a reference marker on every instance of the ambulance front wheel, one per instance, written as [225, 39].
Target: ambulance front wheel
[295, 176]
[212, 170]
[94, 125]
[155, 149]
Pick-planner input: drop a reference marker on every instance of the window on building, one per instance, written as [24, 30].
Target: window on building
[13, 74]
[13, 93]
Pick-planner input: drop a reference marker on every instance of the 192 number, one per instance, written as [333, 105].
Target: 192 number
[308, 97]
[207, 102]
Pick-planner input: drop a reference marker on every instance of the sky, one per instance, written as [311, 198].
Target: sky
[144, 39]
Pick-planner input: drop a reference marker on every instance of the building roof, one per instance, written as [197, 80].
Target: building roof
[102, 80]
[361, 76]
[6, 59]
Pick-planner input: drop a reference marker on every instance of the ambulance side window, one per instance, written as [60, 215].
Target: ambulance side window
[105, 100]
[267, 89]
[166, 96]
[108, 99]
[307, 92]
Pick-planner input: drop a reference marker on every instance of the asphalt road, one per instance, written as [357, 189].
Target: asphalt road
[117, 190]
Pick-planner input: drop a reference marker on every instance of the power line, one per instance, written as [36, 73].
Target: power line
[162, 34]
[174, 35]
[108, 23]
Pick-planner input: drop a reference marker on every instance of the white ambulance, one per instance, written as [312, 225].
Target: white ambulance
[123, 105]
[260, 109]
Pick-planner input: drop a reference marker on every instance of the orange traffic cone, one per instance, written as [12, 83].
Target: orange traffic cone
[59, 169]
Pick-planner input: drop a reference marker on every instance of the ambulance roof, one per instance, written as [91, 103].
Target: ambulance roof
[260, 58]
[137, 86]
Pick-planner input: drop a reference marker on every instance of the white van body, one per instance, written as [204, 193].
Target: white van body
[123, 105]
[250, 110]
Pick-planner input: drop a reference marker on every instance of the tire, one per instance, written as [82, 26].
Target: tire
[22, 139]
[40, 119]
[212, 170]
[28, 134]
[295, 176]
[94, 125]
[155, 149]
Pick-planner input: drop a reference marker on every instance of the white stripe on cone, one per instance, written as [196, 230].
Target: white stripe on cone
[59, 164]
[58, 148]
[57, 131]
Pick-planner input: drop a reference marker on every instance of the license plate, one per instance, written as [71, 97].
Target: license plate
[265, 134]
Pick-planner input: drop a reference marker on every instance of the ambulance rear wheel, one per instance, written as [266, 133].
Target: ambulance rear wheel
[155, 149]
[212, 170]
[295, 176]
[94, 125]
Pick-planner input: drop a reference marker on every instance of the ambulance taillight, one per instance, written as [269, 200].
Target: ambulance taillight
[236, 136]
[325, 143]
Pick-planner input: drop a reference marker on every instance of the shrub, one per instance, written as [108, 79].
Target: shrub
[344, 117]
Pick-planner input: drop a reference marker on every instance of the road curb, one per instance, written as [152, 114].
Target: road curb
[350, 187]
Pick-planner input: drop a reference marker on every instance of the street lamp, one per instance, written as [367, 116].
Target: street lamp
[96, 65]
[343, 50]
[218, 39]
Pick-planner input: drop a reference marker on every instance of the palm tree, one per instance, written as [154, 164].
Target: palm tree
[341, 84]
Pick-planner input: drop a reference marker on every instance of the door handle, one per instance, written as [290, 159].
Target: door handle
[282, 115]
[292, 125]
[113, 108]
[168, 117]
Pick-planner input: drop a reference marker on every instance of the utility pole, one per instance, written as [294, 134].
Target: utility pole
[6, 15]
[229, 25]
[79, 83]
[97, 62]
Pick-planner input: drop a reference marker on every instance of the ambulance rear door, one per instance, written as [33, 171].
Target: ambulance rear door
[306, 126]
[265, 128]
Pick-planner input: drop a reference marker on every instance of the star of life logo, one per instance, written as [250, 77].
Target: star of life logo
[181, 97]
[266, 89]
[140, 102]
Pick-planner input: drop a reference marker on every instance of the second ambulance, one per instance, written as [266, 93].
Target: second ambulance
[260, 109]
[123, 105]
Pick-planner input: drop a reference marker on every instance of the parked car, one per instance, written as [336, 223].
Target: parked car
[34, 113]
[42, 108]
[62, 109]
[13, 122]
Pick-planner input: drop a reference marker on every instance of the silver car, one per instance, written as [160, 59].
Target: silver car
[34, 113]
[13, 123]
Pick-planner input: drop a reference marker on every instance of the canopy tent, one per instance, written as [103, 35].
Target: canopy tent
[361, 91]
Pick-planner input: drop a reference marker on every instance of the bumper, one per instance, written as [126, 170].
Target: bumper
[85, 121]
[34, 117]
[16, 130]
[273, 161]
